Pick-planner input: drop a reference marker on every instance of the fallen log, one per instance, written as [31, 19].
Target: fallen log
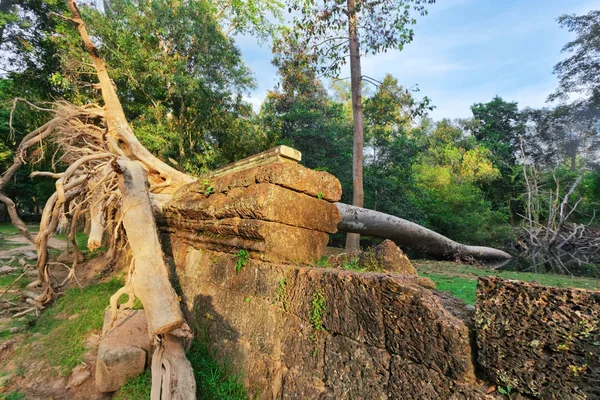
[403, 232]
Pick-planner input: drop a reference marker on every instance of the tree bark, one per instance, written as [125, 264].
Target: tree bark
[353, 239]
[172, 375]
[403, 232]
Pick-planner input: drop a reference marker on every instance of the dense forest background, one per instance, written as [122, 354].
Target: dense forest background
[498, 178]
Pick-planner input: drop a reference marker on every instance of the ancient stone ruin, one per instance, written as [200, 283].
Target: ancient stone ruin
[244, 242]
[295, 331]
[539, 340]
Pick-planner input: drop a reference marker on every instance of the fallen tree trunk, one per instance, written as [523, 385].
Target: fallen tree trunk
[172, 375]
[403, 232]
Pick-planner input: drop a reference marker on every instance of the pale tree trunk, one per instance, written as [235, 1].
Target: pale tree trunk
[414, 236]
[353, 239]
[172, 373]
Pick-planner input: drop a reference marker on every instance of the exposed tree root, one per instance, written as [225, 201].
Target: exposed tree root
[107, 183]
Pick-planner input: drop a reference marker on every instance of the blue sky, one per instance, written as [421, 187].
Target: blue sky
[464, 52]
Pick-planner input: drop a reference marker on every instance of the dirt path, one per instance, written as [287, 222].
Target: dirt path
[24, 246]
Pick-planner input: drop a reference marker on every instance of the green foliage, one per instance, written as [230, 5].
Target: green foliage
[214, 381]
[281, 294]
[242, 259]
[506, 391]
[578, 72]
[461, 279]
[136, 388]
[62, 340]
[180, 78]
[317, 312]
[447, 177]
[352, 264]
[13, 396]
[323, 262]
[384, 25]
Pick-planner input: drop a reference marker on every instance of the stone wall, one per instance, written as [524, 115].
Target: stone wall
[539, 340]
[306, 333]
[294, 331]
[241, 240]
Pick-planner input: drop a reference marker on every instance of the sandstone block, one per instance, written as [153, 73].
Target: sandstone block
[265, 201]
[539, 340]
[267, 241]
[392, 259]
[123, 351]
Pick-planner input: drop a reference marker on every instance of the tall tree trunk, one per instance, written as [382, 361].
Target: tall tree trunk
[353, 239]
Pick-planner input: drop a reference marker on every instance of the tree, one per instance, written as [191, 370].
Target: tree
[498, 125]
[333, 31]
[580, 71]
[182, 80]
[564, 134]
[299, 113]
[390, 152]
[448, 174]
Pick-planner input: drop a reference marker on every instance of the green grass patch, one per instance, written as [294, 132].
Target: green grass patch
[213, 380]
[80, 237]
[463, 288]
[7, 280]
[62, 340]
[8, 229]
[12, 396]
[461, 279]
[136, 388]
[6, 245]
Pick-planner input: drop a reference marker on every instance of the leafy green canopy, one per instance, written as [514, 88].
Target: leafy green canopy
[321, 28]
[180, 78]
[579, 72]
[448, 174]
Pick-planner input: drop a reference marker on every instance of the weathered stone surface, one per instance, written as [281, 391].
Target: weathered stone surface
[263, 201]
[79, 374]
[419, 329]
[288, 175]
[262, 321]
[352, 368]
[392, 259]
[385, 257]
[123, 351]
[539, 340]
[267, 241]
[301, 179]
[275, 155]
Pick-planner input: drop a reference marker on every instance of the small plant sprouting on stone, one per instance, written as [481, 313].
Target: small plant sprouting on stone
[209, 190]
[352, 264]
[281, 294]
[324, 262]
[242, 260]
[320, 195]
[506, 391]
[247, 300]
[317, 312]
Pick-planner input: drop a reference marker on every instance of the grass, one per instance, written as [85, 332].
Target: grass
[136, 388]
[213, 380]
[461, 279]
[12, 396]
[62, 340]
[80, 238]
[8, 229]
